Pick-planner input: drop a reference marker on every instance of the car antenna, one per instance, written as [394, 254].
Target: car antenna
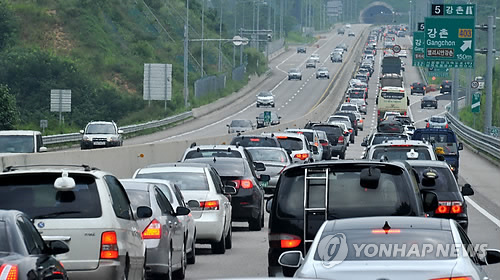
[386, 227]
[193, 145]
[214, 160]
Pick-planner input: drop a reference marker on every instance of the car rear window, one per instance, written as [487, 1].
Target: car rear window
[35, 195]
[348, 108]
[138, 198]
[17, 144]
[100, 129]
[396, 246]
[400, 153]
[255, 142]
[268, 155]
[346, 197]
[293, 144]
[445, 182]
[330, 129]
[213, 153]
[186, 181]
[379, 138]
[438, 120]
[4, 245]
[436, 137]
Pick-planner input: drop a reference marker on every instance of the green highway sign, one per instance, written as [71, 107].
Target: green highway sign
[418, 48]
[449, 42]
[457, 10]
[267, 117]
[476, 102]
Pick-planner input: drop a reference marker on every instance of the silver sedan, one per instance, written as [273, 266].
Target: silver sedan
[392, 248]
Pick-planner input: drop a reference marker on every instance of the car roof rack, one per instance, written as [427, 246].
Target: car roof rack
[17, 167]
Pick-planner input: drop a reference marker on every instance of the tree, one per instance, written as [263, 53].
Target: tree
[8, 109]
[7, 24]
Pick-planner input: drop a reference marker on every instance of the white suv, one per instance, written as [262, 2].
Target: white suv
[21, 141]
[401, 150]
[313, 138]
[86, 208]
[100, 134]
[202, 183]
[297, 145]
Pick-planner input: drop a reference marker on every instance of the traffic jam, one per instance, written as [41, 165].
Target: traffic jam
[396, 211]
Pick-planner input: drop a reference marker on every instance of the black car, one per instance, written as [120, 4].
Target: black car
[354, 188]
[352, 117]
[445, 87]
[23, 253]
[335, 134]
[428, 101]
[417, 87]
[255, 141]
[437, 176]
[336, 57]
[390, 126]
[341, 31]
[248, 202]
[301, 50]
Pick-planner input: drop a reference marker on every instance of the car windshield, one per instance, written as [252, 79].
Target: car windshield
[5, 244]
[400, 153]
[213, 153]
[35, 195]
[379, 138]
[294, 71]
[323, 69]
[438, 120]
[100, 129]
[186, 181]
[429, 98]
[346, 197]
[392, 95]
[265, 94]
[268, 155]
[445, 182]
[240, 123]
[17, 144]
[396, 246]
[292, 144]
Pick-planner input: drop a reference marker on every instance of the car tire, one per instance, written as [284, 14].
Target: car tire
[229, 238]
[219, 247]
[435, 107]
[300, 78]
[255, 224]
[421, 107]
[352, 141]
[342, 155]
[191, 257]
[328, 77]
[273, 105]
[258, 105]
[169, 266]
[181, 273]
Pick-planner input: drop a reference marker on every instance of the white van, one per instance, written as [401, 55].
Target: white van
[21, 141]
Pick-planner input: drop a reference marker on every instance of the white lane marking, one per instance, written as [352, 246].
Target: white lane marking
[482, 211]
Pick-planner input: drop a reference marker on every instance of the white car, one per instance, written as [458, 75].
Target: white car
[86, 208]
[322, 73]
[296, 144]
[379, 248]
[401, 150]
[21, 141]
[200, 182]
[402, 53]
[315, 57]
[265, 98]
[313, 138]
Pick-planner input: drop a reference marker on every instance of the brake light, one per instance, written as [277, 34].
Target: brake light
[302, 156]
[454, 278]
[254, 139]
[341, 139]
[209, 205]
[402, 145]
[282, 137]
[378, 113]
[153, 231]
[8, 272]
[109, 245]
[427, 125]
[244, 184]
[411, 87]
[449, 207]
[401, 90]
[350, 130]
[283, 240]
[446, 126]
[385, 231]
[324, 143]
[405, 113]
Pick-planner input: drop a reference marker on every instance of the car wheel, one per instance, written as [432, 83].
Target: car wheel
[421, 107]
[342, 155]
[435, 107]
[258, 106]
[300, 78]
[219, 247]
[229, 238]
[352, 141]
[328, 77]
[169, 265]
[181, 273]
[191, 257]
[255, 224]
[273, 105]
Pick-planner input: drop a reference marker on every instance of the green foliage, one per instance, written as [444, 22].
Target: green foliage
[8, 24]
[8, 109]
[297, 38]
[257, 62]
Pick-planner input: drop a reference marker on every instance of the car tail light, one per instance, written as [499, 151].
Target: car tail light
[283, 240]
[109, 245]
[402, 145]
[411, 87]
[378, 113]
[428, 125]
[350, 130]
[446, 126]
[209, 205]
[244, 184]
[324, 143]
[281, 137]
[405, 113]
[153, 231]
[449, 207]
[341, 139]
[254, 139]
[385, 231]
[8, 272]
[302, 156]
[455, 278]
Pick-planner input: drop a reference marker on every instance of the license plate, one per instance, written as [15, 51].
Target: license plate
[99, 143]
[264, 184]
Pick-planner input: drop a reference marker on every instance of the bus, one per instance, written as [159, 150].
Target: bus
[392, 99]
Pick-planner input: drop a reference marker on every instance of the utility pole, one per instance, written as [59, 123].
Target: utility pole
[219, 66]
[186, 57]
[490, 60]
[454, 93]
[202, 33]
[235, 9]
[281, 18]
[258, 25]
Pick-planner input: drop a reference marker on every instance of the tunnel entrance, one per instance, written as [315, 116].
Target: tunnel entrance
[377, 13]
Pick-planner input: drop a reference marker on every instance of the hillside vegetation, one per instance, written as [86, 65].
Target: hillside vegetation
[97, 48]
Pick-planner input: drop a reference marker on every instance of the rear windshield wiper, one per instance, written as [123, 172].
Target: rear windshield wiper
[54, 214]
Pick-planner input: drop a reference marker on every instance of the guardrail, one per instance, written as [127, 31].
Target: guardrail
[73, 137]
[482, 142]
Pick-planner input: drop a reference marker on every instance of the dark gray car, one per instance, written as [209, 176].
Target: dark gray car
[274, 159]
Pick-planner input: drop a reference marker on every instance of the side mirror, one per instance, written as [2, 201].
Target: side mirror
[43, 149]
[227, 125]
[120, 131]
[492, 256]
[269, 205]
[291, 259]
[57, 247]
[193, 203]
[440, 158]
[144, 212]
[182, 211]
[426, 120]
[81, 131]
[460, 146]
[467, 190]
[265, 178]
[315, 150]
[364, 143]
[429, 200]
[229, 190]
[279, 117]
[259, 166]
